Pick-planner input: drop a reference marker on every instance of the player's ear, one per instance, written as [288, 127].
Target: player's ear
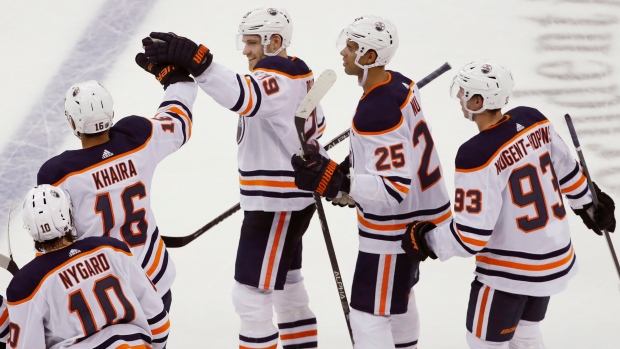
[276, 41]
[371, 57]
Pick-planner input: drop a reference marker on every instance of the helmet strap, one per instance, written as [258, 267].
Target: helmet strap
[471, 113]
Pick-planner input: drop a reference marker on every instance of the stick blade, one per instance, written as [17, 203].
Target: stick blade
[324, 82]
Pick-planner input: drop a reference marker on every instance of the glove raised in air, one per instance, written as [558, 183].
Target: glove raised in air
[180, 51]
[166, 74]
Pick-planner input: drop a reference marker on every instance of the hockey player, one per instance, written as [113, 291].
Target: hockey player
[86, 294]
[4, 323]
[395, 177]
[276, 213]
[110, 178]
[509, 212]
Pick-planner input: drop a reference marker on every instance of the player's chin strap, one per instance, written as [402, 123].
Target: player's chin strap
[282, 47]
[470, 113]
[365, 68]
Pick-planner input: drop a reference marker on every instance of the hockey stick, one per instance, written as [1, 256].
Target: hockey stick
[430, 77]
[180, 241]
[573, 135]
[325, 81]
[6, 256]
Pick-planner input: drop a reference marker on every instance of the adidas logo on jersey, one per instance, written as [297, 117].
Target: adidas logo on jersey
[106, 154]
[519, 127]
[73, 252]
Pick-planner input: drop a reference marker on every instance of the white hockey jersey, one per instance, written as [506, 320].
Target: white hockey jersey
[396, 173]
[508, 205]
[92, 294]
[110, 184]
[266, 101]
[4, 320]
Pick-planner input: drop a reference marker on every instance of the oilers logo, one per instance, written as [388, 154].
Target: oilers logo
[272, 11]
[240, 129]
[486, 68]
[380, 26]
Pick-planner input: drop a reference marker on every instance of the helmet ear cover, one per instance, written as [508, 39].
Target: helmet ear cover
[47, 213]
[266, 22]
[89, 108]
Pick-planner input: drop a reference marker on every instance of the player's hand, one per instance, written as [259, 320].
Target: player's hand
[600, 217]
[166, 74]
[414, 242]
[180, 51]
[343, 200]
[316, 173]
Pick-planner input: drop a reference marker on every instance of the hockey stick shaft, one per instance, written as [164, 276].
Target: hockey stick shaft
[573, 135]
[423, 82]
[6, 256]
[180, 241]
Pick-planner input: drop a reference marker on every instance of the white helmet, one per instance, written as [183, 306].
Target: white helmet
[47, 212]
[89, 108]
[267, 21]
[372, 33]
[492, 80]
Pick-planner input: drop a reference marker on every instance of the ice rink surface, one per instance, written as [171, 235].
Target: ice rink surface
[564, 54]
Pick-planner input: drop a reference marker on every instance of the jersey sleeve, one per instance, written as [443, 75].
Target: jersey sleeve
[4, 320]
[477, 206]
[172, 124]
[26, 329]
[259, 94]
[150, 302]
[572, 180]
[388, 176]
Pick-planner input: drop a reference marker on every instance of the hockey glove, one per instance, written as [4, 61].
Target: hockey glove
[314, 172]
[165, 74]
[414, 242]
[601, 217]
[343, 199]
[180, 51]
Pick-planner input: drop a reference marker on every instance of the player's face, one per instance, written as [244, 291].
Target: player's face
[252, 49]
[348, 58]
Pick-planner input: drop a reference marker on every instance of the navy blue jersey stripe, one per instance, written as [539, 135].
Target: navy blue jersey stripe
[160, 340]
[5, 332]
[399, 179]
[458, 239]
[299, 323]
[403, 216]
[393, 193]
[164, 266]
[368, 235]
[405, 345]
[179, 104]
[259, 340]
[180, 118]
[271, 194]
[579, 195]
[241, 95]
[532, 256]
[157, 318]
[571, 174]
[123, 337]
[292, 66]
[320, 124]
[258, 96]
[269, 173]
[518, 277]
[149, 252]
[476, 231]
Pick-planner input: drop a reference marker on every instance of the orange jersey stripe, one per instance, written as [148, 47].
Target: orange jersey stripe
[397, 186]
[377, 85]
[470, 241]
[299, 335]
[62, 266]
[441, 219]
[481, 312]
[4, 316]
[160, 248]
[501, 148]
[175, 109]
[264, 183]
[575, 186]
[269, 347]
[402, 119]
[140, 346]
[161, 329]
[250, 103]
[406, 102]
[527, 267]
[385, 283]
[367, 224]
[274, 250]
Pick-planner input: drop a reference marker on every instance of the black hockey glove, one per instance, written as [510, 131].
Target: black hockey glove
[601, 217]
[343, 199]
[414, 242]
[165, 74]
[180, 51]
[314, 172]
